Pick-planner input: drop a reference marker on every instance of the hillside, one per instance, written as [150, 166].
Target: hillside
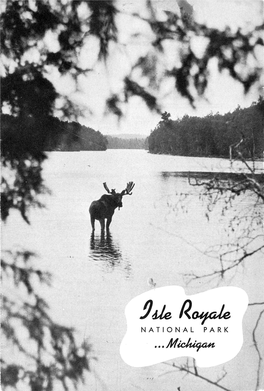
[49, 134]
[76, 137]
[212, 135]
[126, 143]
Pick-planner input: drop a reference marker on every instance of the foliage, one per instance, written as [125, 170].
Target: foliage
[24, 141]
[40, 37]
[47, 135]
[44, 353]
[22, 158]
[29, 57]
[76, 137]
[230, 49]
[211, 135]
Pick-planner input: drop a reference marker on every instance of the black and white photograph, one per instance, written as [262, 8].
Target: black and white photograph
[132, 146]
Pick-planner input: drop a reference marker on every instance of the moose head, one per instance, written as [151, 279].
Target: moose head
[104, 208]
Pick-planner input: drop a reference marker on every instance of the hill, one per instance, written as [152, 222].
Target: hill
[126, 143]
[48, 134]
[212, 135]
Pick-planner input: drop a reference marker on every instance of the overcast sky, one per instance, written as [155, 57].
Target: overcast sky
[223, 94]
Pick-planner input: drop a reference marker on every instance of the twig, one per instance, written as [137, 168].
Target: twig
[257, 349]
[187, 370]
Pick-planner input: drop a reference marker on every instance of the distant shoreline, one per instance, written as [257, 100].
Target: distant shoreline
[257, 159]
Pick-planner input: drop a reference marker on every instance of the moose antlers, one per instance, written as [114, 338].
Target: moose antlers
[107, 189]
[127, 191]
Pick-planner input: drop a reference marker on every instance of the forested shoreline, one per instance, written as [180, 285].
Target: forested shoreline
[49, 134]
[211, 136]
[130, 143]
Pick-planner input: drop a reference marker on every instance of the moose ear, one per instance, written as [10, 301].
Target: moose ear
[107, 189]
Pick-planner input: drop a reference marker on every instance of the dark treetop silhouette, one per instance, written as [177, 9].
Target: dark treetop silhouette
[104, 208]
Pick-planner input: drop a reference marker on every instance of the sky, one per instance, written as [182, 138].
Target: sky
[223, 93]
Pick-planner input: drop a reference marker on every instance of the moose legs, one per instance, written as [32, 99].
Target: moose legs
[102, 223]
[92, 222]
[108, 222]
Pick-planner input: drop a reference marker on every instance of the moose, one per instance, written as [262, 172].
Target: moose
[104, 208]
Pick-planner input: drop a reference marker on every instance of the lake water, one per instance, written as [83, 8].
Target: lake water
[162, 232]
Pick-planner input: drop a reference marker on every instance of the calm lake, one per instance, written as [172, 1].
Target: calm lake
[162, 232]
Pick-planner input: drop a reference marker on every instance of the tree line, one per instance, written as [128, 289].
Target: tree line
[49, 134]
[122, 143]
[212, 135]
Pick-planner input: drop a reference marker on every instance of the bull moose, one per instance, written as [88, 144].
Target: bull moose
[104, 208]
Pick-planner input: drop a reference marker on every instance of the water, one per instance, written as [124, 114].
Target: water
[152, 236]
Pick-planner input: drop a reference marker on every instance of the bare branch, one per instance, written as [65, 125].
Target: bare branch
[187, 369]
[224, 270]
[257, 349]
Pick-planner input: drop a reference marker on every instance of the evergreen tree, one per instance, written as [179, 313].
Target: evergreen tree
[211, 135]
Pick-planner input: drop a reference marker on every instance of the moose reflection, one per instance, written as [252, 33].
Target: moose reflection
[105, 248]
[104, 208]
[106, 252]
